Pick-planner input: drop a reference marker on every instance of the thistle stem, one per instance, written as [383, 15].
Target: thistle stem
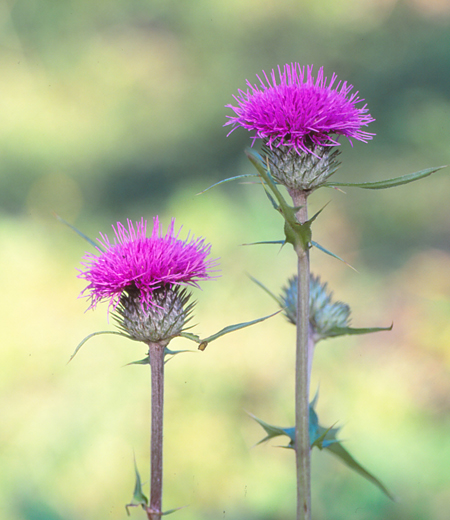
[156, 355]
[302, 371]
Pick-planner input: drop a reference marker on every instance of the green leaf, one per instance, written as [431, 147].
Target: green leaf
[173, 353]
[82, 235]
[228, 180]
[170, 511]
[316, 433]
[282, 242]
[145, 361]
[139, 499]
[389, 183]
[299, 235]
[313, 218]
[97, 334]
[339, 451]
[271, 199]
[167, 352]
[315, 244]
[268, 291]
[324, 439]
[231, 328]
[272, 431]
[192, 337]
[237, 326]
[350, 331]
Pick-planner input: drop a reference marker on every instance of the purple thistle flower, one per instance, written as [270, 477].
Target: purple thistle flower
[300, 112]
[139, 265]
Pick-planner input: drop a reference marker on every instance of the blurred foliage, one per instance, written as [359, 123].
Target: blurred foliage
[115, 109]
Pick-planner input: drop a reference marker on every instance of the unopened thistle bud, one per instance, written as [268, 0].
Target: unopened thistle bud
[324, 314]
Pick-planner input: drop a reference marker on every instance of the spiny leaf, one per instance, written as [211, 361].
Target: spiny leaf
[230, 328]
[324, 439]
[192, 337]
[315, 431]
[339, 451]
[139, 499]
[282, 242]
[228, 180]
[237, 326]
[145, 361]
[272, 431]
[299, 235]
[97, 334]
[315, 244]
[272, 200]
[389, 183]
[313, 218]
[268, 291]
[350, 331]
[170, 511]
[173, 353]
[82, 235]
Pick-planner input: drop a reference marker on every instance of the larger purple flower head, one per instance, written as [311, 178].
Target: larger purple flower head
[300, 112]
[140, 265]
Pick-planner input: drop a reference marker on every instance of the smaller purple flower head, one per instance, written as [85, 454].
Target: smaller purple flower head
[142, 278]
[141, 264]
[300, 112]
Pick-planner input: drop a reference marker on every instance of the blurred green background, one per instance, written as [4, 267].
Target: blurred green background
[114, 109]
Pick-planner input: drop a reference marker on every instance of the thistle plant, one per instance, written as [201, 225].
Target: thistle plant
[298, 118]
[145, 281]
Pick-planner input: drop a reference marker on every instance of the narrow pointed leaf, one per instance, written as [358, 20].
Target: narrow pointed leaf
[350, 331]
[97, 334]
[313, 218]
[268, 291]
[272, 431]
[170, 511]
[299, 235]
[321, 441]
[282, 242]
[145, 361]
[168, 352]
[230, 328]
[228, 180]
[192, 337]
[339, 451]
[272, 200]
[78, 232]
[139, 499]
[389, 183]
[316, 433]
[315, 244]
[237, 326]
[315, 399]
[173, 353]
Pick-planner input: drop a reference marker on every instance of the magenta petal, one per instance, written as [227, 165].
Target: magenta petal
[137, 262]
[300, 109]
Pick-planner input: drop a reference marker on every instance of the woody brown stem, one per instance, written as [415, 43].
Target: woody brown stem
[156, 354]
[302, 370]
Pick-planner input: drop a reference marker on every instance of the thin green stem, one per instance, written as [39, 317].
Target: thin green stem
[302, 370]
[156, 353]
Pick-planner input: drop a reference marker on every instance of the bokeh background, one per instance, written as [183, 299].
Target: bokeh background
[114, 110]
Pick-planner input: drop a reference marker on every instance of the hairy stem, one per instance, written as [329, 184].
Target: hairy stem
[156, 353]
[302, 372]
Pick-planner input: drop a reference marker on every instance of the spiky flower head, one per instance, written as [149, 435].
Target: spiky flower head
[324, 314]
[142, 276]
[298, 115]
